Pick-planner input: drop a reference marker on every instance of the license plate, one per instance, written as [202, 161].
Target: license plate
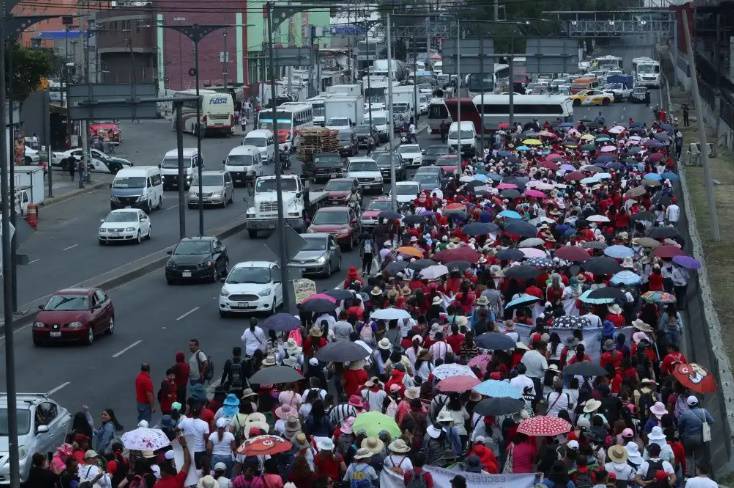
[186, 274]
[114, 234]
[55, 334]
[241, 305]
[334, 175]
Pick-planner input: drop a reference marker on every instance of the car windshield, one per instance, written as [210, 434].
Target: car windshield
[331, 218]
[287, 184]
[345, 136]
[363, 130]
[328, 161]
[648, 68]
[338, 122]
[380, 205]
[338, 185]
[67, 302]
[172, 163]
[411, 148]
[193, 248]
[258, 276]
[122, 217]
[363, 166]
[379, 120]
[425, 178]
[465, 134]
[447, 162]
[384, 159]
[314, 244]
[208, 180]
[406, 189]
[129, 182]
[256, 141]
[23, 421]
[437, 150]
[240, 159]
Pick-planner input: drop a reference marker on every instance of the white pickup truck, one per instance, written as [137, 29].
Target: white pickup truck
[263, 214]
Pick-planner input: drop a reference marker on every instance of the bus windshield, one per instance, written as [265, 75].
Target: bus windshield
[648, 68]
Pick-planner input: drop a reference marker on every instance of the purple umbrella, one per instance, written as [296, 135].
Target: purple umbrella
[686, 262]
[567, 167]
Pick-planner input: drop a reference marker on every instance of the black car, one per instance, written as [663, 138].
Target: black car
[326, 166]
[348, 143]
[383, 162]
[197, 258]
[432, 153]
[362, 133]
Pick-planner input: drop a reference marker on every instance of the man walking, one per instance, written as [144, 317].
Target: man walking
[672, 213]
[685, 115]
[198, 364]
[144, 393]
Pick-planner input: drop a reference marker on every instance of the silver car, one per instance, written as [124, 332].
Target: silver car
[217, 189]
[321, 255]
[42, 427]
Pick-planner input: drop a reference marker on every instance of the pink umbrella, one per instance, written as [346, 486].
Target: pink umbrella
[320, 296]
[506, 186]
[534, 193]
[554, 157]
[617, 129]
[542, 426]
[481, 362]
[531, 252]
[457, 384]
[608, 149]
[545, 133]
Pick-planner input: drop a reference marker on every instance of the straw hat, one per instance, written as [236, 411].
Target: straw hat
[247, 393]
[256, 417]
[285, 411]
[618, 454]
[412, 393]
[373, 444]
[269, 360]
[641, 326]
[591, 405]
[363, 453]
[292, 426]
[376, 291]
[315, 331]
[398, 446]
[482, 301]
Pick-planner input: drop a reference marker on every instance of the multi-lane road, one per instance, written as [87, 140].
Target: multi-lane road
[153, 320]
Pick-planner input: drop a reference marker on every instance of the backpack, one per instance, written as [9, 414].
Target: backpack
[417, 480]
[235, 375]
[359, 479]
[652, 468]
[646, 401]
[209, 373]
[137, 482]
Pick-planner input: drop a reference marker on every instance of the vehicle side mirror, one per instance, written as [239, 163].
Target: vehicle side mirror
[170, 251]
[40, 307]
[298, 195]
[223, 279]
[110, 185]
[42, 429]
[224, 161]
[101, 221]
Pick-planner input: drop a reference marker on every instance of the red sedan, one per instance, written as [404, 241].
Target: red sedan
[74, 315]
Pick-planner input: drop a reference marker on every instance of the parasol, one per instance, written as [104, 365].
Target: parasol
[619, 252]
[390, 314]
[499, 406]
[410, 251]
[510, 254]
[457, 384]
[543, 426]
[498, 389]
[434, 272]
[372, 423]
[273, 375]
[444, 371]
[420, 264]
[464, 253]
[264, 445]
[695, 377]
[572, 253]
[522, 272]
[626, 278]
[584, 368]
[687, 262]
[281, 322]
[601, 265]
[495, 341]
[145, 439]
[341, 352]
[658, 297]
[668, 251]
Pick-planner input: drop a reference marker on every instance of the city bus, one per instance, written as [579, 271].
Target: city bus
[474, 85]
[317, 109]
[437, 113]
[607, 63]
[216, 112]
[526, 108]
[291, 116]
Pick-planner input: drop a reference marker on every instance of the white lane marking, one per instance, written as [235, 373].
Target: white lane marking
[120, 353]
[62, 385]
[171, 207]
[188, 313]
[70, 247]
[2, 337]
[34, 261]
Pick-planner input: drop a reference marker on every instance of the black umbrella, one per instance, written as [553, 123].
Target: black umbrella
[570, 322]
[601, 265]
[274, 375]
[584, 368]
[522, 272]
[396, 267]
[420, 264]
[480, 228]
[608, 292]
[281, 322]
[339, 293]
[520, 228]
[415, 219]
[643, 217]
[593, 245]
[663, 232]
[499, 406]
[510, 193]
[510, 254]
[495, 341]
[458, 266]
[319, 305]
[473, 183]
[341, 352]
[389, 215]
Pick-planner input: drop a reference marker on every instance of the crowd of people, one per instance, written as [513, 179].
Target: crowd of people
[523, 319]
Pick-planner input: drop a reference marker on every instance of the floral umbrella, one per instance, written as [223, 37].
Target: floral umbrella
[695, 377]
[452, 369]
[543, 426]
[481, 362]
[658, 297]
[264, 445]
[145, 439]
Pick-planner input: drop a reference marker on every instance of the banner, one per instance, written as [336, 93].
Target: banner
[442, 478]
[303, 288]
[592, 337]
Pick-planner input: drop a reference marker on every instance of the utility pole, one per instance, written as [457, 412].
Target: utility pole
[393, 193]
[702, 139]
[200, 160]
[177, 107]
[496, 10]
[225, 60]
[481, 85]
[458, 88]
[512, 83]
[369, 90]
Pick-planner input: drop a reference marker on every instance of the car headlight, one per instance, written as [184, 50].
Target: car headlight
[266, 292]
[171, 265]
[379, 179]
[321, 260]
[129, 229]
[114, 199]
[216, 195]
[207, 264]
[224, 292]
[74, 325]
[38, 324]
[102, 230]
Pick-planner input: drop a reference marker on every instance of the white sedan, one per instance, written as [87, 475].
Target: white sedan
[251, 286]
[125, 224]
[100, 162]
[411, 154]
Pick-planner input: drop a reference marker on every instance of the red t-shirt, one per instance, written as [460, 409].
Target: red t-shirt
[172, 481]
[353, 380]
[143, 386]
[328, 465]
[455, 341]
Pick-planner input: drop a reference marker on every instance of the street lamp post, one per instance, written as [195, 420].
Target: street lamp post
[391, 127]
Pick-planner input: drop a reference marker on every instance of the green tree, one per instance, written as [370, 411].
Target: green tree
[29, 67]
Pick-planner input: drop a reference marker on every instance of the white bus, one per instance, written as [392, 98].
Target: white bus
[646, 72]
[317, 109]
[526, 108]
[216, 112]
[437, 113]
[291, 116]
[501, 72]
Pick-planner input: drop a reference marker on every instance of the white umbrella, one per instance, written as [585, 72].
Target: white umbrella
[597, 218]
[532, 252]
[433, 272]
[531, 242]
[540, 185]
[145, 439]
[447, 370]
[390, 314]
[617, 129]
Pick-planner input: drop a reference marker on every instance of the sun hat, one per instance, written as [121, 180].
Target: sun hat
[614, 309]
[633, 452]
[444, 416]
[292, 425]
[394, 388]
[221, 423]
[591, 405]
[376, 291]
[572, 444]
[324, 444]
[692, 400]
[433, 431]
[356, 401]
[628, 433]
[285, 411]
[90, 454]
[176, 406]
[170, 455]
[207, 481]
[641, 326]
[269, 360]
[362, 453]
[373, 444]
[246, 393]
[618, 454]
[346, 426]
[65, 449]
[412, 393]
[553, 368]
[384, 344]
[398, 446]
[315, 331]
[656, 434]
[146, 454]
[425, 355]
[220, 466]
[482, 301]
[658, 409]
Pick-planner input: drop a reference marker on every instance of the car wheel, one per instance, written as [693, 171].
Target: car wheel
[605, 101]
[160, 203]
[169, 281]
[252, 233]
[111, 326]
[89, 340]
[327, 271]
[272, 307]
[339, 264]
[150, 231]
[101, 242]
[37, 342]
[223, 314]
[139, 238]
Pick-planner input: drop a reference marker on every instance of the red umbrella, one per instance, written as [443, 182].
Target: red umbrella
[549, 164]
[542, 426]
[506, 186]
[655, 157]
[320, 296]
[694, 377]
[464, 253]
[457, 384]
[264, 444]
[668, 251]
[573, 253]
[554, 157]
[574, 176]
[534, 193]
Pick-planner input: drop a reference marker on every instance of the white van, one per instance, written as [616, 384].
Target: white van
[264, 141]
[169, 167]
[244, 162]
[139, 187]
[466, 137]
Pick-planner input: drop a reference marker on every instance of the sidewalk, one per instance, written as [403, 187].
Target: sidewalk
[64, 188]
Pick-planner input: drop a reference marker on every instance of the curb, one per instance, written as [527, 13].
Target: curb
[66, 196]
[118, 276]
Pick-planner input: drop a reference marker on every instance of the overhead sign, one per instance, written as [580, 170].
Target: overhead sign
[292, 56]
[106, 101]
[475, 56]
[556, 55]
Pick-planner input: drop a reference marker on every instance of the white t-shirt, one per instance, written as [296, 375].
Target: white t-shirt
[701, 482]
[672, 213]
[667, 467]
[194, 430]
[398, 461]
[623, 472]
[252, 341]
[521, 381]
[374, 399]
[221, 447]
[535, 363]
[224, 482]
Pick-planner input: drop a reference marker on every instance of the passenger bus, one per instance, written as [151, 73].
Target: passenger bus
[317, 109]
[291, 116]
[526, 108]
[216, 112]
[607, 63]
[475, 86]
[437, 113]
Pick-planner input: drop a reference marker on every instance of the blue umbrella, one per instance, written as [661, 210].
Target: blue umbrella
[669, 175]
[626, 278]
[510, 214]
[480, 177]
[614, 165]
[498, 389]
[494, 176]
[565, 124]
[523, 148]
[605, 157]
[523, 299]
[619, 252]
[479, 229]
[505, 154]
[595, 301]
[653, 176]
[281, 322]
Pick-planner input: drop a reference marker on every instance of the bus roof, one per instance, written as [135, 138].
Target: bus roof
[520, 99]
[293, 106]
